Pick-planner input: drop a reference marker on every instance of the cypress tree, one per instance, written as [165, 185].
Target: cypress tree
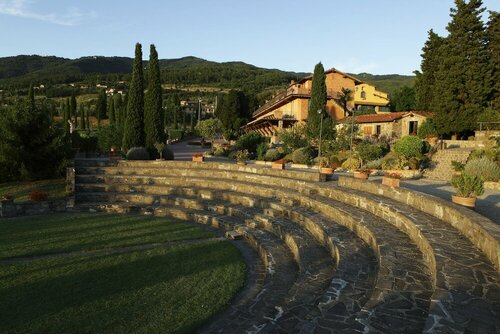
[67, 117]
[153, 126]
[101, 106]
[87, 116]
[493, 35]
[111, 111]
[82, 116]
[73, 110]
[184, 121]
[462, 83]
[134, 124]
[424, 82]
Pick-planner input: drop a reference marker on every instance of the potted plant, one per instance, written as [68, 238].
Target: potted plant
[468, 187]
[326, 166]
[391, 179]
[242, 157]
[198, 157]
[458, 167]
[362, 173]
[160, 147]
[278, 164]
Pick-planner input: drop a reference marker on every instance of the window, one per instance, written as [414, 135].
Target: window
[363, 95]
[378, 129]
[413, 128]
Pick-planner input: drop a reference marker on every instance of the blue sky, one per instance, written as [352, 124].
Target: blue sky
[381, 37]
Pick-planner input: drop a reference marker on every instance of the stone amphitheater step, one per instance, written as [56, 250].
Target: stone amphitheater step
[467, 295]
[441, 314]
[395, 251]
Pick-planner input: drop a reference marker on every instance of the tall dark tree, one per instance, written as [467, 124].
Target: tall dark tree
[81, 112]
[67, 116]
[101, 106]
[172, 111]
[493, 34]
[318, 103]
[403, 99]
[153, 123]
[234, 110]
[424, 82]
[134, 124]
[111, 111]
[462, 84]
[72, 109]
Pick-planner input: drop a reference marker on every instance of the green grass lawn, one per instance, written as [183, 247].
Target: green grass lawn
[167, 289]
[20, 190]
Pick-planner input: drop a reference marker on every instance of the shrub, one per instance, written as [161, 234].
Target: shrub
[242, 155]
[390, 161]
[249, 141]
[409, 147]
[351, 163]
[220, 151]
[369, 152]
[168, 154]
[261, 151]
[468, 185]
[292, 138]
[175, 134]
[272, 155]
[38, 196]
[374, 164]
[137, 153]
[108, 136]
[457, 166]
[303, 155]
[86, 142]
[484, 168]
[427, 129]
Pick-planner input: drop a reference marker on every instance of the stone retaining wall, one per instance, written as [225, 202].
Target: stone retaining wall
[11, 209]
[482, 232]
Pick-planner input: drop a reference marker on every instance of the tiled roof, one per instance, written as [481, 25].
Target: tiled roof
[386, 117]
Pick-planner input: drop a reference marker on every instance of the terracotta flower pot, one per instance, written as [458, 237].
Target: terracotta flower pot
[326, 170]
[241, 163]
[469, 202]
[391, 182]
[277, 166]
[361, 175]
[432, 140]
[198, 158]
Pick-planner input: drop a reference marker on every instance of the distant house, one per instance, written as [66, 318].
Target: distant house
[391, 124]
[291, 106]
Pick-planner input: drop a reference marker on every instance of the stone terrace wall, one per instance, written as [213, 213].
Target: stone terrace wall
[481, 231]
[10, 209]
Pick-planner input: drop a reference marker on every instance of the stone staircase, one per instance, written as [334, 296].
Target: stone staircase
[335, 259]
[440, 166]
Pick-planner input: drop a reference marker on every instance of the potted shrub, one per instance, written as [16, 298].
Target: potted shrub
[278, 164]
[198, 157]
[362, 173]
[160, 147]
[468, 187]
[242, 157]
[391, 179]
[326, 166]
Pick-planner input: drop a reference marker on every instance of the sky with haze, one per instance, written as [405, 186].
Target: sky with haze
[379, 37]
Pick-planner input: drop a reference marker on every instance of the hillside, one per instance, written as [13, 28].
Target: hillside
[19, 71]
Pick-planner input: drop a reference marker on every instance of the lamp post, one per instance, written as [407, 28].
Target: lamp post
[320, 112]
[352, 134]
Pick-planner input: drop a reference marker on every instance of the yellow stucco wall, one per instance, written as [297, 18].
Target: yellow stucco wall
[365, 94]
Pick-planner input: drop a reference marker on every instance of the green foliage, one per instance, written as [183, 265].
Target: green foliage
[138, 153]
[210, 128]
[468, 185]
[107, 137]
[234, 110]
[427, 129]
[409, 147]
[391, 161]
[86, 142]
[134, 123]
[374, 164]
[303, 155]
[293, 138]
[153, 120]
[351, 163]
[273, 154]
[261, 150]
[242, 155]
[250, 141]
[175, 134]
[111, 111]
[483, 168]
[403, 99]
[31, 147]
[462, 80]
[457, 166]
[168, 154]
[101, 106]
[369, 152]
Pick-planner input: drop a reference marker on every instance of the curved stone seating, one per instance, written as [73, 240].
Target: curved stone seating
[423, 282]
